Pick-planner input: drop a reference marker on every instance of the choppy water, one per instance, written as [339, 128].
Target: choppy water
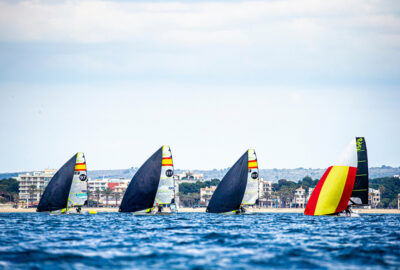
[198, 241]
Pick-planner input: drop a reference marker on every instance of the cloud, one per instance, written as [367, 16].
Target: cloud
[252, 41]
[187, 22]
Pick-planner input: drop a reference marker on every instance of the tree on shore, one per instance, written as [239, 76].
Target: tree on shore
[190, 199]
[97, 192]
[117, 196]
[107, 192]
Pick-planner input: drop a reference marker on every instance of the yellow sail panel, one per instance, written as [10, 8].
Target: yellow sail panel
[332, 190]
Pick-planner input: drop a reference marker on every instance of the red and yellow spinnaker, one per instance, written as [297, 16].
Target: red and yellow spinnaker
[333, 191]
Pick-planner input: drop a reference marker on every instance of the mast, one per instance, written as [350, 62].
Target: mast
[229, 194]
[55, 196]
[142, 189]
[359, 196]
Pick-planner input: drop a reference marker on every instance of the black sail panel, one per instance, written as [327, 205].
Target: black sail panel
[229, 194]
[360, 189]
[142, 189]
[55, 196]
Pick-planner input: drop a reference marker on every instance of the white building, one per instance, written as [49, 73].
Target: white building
[32, 186]
[310, 191]
[116, 190]
[266, 196]
[299, 198]
[206, 194]
[374, 197]
[398, 201]
[189, 176]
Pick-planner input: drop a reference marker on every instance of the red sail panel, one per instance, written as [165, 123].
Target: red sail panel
[312, 202]
[348, 188]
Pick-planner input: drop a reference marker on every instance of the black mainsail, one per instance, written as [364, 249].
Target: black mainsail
[229, 194]
[359, 195]
[142, 189]
[55, 196]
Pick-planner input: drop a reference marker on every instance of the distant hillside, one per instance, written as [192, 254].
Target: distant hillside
[269, 174]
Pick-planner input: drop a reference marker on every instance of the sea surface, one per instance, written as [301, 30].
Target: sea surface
[198, 241]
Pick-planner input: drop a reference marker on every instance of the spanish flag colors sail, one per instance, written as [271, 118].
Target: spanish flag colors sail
[251, 192]
[334, 191]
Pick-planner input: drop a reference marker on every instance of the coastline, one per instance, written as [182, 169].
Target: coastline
[202, 210]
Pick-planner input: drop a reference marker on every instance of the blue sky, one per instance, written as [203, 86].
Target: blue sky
[296, 80]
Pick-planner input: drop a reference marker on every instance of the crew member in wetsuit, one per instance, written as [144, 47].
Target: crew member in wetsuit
[348, 211]
[160, 209]
[78, 210]
[240, 210]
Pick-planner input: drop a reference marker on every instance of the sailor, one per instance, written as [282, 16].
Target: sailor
[78, 210]
[348, 211]
[160, 209]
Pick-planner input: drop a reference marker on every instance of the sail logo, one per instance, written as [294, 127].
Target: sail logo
[169, 173]
[254, 175]
[82, 177]
[359, 143]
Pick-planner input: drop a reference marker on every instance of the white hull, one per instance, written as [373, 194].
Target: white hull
[165, 211]
[352, 213]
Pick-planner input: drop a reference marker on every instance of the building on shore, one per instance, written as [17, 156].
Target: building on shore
[206, 194]
[266, 196]
[189, 176]
[299, 198]
[107, 192]
[398, 201]
[32, 186]
[309, 192]
[374, 197]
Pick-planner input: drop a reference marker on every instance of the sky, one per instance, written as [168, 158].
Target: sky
[296, 80]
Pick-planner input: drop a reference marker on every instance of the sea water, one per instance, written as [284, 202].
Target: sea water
[197, 241]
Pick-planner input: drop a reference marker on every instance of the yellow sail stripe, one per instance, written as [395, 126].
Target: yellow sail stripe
[332, 190]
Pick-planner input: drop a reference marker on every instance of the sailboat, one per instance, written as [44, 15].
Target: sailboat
[152, 190]
[343, 185]
[238, 188]
[66, 192]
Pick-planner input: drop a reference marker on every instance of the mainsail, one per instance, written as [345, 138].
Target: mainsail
[333, 191]
[55, 196]
[142, 189]
[229, 194]
[78, 192]
[166, 190]
[359, 195]
[251, 193]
